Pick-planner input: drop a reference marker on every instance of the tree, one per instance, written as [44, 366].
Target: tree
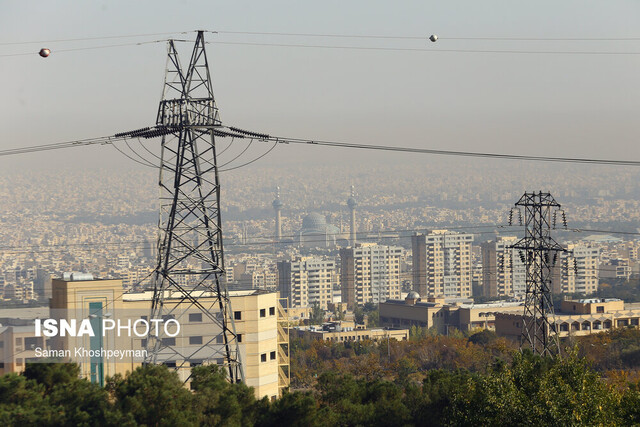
[483, 337]
[358, 314]
[317, 315]
[338, 311]
[153, 395]
[222, 403]
[53, 394]
[295, 409]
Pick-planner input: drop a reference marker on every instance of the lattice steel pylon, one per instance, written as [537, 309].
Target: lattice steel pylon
[539, 252]
[187, 285]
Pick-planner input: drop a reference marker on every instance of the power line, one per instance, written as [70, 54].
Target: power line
[426, 37]
[433, 50]
[327, 143]
[456, 153]
[125, 36]
[348, 36]
[86, 48]
[362, 48]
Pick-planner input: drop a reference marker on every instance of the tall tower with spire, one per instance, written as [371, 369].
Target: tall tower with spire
[352, 208]
[277, 206]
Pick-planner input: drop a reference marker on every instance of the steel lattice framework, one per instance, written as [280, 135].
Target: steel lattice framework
[539, 252]
[187, 285]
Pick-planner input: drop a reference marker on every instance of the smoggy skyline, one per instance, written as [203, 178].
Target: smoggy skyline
[539, 104]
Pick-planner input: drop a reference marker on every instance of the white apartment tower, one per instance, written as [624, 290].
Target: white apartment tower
[306, 281]
[576, 271]
[503, 272]
[370, 273]
[442, 264]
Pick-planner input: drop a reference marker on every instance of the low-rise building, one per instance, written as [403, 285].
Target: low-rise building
[578, 317]
[338, 332]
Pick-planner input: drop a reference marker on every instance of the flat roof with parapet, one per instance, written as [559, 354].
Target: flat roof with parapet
[494, 304]
[595, 300]
[148, 295]
[403, 302]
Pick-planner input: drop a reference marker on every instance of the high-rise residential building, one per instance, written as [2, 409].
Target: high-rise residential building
[576, 271]
[370, 273]
[306, 281]
[503, 272]
[442, 263]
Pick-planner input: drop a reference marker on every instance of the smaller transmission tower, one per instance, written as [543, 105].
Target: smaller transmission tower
[539, 252]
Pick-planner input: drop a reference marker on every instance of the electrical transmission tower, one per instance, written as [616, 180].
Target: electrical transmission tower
[539, 252]
[187, 282]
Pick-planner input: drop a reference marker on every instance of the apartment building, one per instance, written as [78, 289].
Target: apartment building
[370, 273]
[442, 263]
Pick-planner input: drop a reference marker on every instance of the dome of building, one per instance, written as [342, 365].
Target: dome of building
[413, 295]
[314, 221]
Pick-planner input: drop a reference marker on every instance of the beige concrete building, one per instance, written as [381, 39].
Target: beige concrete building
[369, 273]
[258, 318]
[306, 281]
[17, 346]
[412, 311]
[441, 315]
[579, 317]
[442, 264]
[336, 332]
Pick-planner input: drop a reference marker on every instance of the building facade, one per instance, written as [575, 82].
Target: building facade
[306, 281]
[370, 273]
[263, 342]
[503, 272]
[442, 264]
[577, 270]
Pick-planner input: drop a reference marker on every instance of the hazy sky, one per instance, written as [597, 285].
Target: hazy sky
[562, 105]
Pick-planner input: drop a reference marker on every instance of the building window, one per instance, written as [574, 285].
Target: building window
[19, 362]
[239, 336]
[18, 341]
[600, 309]
[195, 317]
[263, 312]
[168, 341]
[31, 342]
[263, 357]
[143, 343]
[195, 340]
[272, 311]
[237, 315]
[272, 356]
